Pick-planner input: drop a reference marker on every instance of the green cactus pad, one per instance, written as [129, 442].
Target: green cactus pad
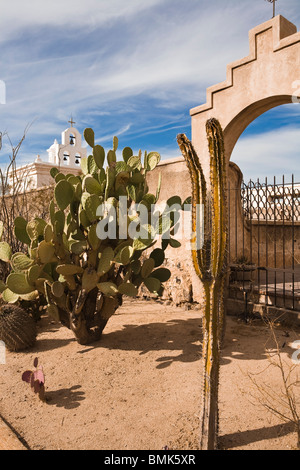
[162, 274]
[134, 163]
[174, 200]
[18, 284]
[92, 166]
[127, 153]
[89, 136]
[69, 269]
[99, 156]
[20, 230]
[124, 255]
[10, 297]
[30, 297]
[159, 257]
[93, 238]
[20, 262]
[84, 165]
[78, 191]
[74, 180]
[131, 191]
[33, 274]
[137, 178]
[140, 244]
[46, 252]
[83, 218]
[48, 233]
[57, 289]
[91, 204]
[53, 172]
[147, 267]
[91, 185]
[148, 200]
[110, 181]
[108, 288]
[35, 228]
[122, 167]
[5, 252]
[128, 289]
[152, 160]
[105, 262]
[164, 224]
[174, 243]
[64, 194]
[115, 143]
[59, 177]
[136, 266]
[111, 157]
[152, 284]
[59, 224]
[78, 247]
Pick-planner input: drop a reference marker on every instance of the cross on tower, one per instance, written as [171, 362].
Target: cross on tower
[274, 6]
[71, 121]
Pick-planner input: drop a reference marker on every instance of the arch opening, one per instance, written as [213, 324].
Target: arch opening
[241, 121]
[269, 145]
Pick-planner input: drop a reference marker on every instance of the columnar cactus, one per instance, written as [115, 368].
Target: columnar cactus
[210, 265]
[17, 328]
[83, 276]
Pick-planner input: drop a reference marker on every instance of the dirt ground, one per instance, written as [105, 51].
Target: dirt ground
[140, 386]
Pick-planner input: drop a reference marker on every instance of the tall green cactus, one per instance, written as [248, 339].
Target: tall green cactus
[81, 276]
[210, 265]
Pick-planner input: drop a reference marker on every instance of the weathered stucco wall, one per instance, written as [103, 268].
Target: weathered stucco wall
[184, 285]
[261, 238]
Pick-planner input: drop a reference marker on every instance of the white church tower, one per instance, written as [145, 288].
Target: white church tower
[66, 157]
[70, 151]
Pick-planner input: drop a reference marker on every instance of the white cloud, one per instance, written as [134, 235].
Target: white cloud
[269, 154]
[18, 14]
[115, 62]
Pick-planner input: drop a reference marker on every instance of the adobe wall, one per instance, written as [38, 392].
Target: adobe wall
[184, 285]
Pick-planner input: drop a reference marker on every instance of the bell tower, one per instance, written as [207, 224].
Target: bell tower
[70, 151]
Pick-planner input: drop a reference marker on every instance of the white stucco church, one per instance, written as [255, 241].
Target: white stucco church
[65, 156]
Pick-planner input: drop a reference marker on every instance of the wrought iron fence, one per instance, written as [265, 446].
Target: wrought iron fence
[264, 241]
[271, 201]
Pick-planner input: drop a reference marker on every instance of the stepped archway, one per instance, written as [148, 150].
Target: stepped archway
[268, 77]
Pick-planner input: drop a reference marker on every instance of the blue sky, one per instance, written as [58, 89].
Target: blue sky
[134, 69]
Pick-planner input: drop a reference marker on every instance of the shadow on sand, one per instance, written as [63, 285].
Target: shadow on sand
[68, 398]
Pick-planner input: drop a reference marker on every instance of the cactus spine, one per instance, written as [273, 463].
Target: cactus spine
[210, 265]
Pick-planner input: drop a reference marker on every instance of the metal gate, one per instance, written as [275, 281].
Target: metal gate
[264, 241]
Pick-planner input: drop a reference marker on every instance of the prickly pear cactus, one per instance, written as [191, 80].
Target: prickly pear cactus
[210, 265]
[17, 328]
[83, 276]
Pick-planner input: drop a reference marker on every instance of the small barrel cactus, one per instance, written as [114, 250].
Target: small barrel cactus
[17, 328]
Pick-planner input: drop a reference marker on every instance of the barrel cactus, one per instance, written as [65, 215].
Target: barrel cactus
[17, 328]
[84, 259]
[210, 262]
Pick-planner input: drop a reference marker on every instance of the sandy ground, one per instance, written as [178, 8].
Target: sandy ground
[140, 386]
